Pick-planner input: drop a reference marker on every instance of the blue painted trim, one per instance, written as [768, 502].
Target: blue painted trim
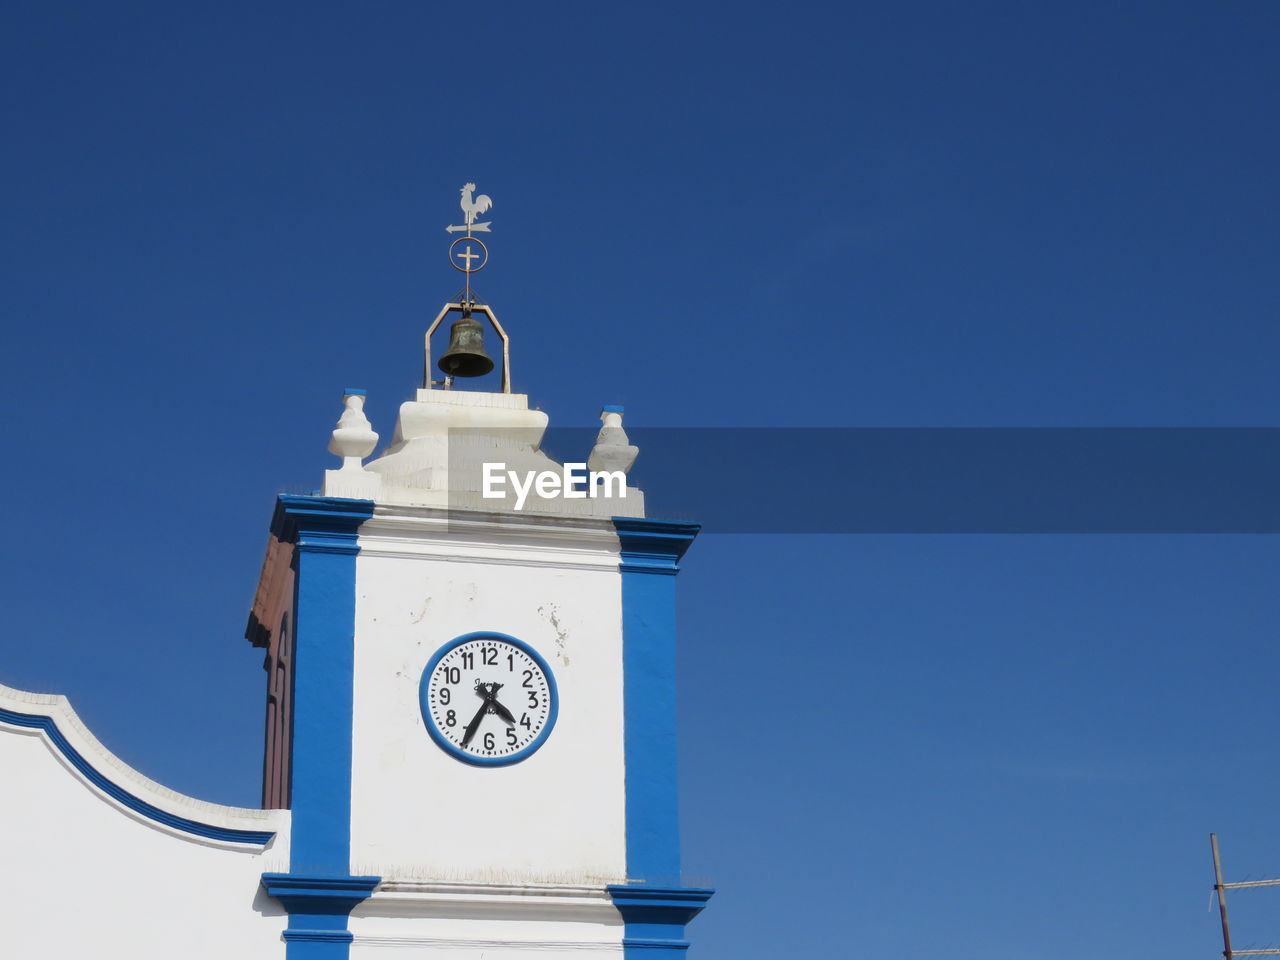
[324, 531]
[653, 546]
[612, 408]
[650, 551]
[318, 910]
[355, 392]
[320, 524]
[655, 916]
[292, 935]
[438, 736]
[123, 796]
[321, 895]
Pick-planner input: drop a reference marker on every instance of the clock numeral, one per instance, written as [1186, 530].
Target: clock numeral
[452, 675]
[490, 655]
[512, 737]
[533, 699]
[450, 719]
[528, 678]
[511, 662]
[524, 721]
[488, 741]
[445, 695]
[468, 660]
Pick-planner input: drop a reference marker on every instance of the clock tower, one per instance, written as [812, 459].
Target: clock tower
[470, 652]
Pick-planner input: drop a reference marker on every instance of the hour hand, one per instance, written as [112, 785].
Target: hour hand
[503, 712]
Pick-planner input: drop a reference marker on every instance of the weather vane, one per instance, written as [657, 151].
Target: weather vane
[466, 259]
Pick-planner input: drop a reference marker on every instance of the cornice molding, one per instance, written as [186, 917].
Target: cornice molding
[644, 903]
[472, 537]
[320, 524]
[656, 915]
[442, 943]
[317, 895]
[654, 546]
[491, 901]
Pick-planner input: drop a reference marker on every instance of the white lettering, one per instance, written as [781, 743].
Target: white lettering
[571, 481]
[493, 475]
[548, 484]
[521, 491]
[604, 478]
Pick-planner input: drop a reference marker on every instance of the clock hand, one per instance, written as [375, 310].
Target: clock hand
[489, 692]
[474, 725]
[503, 712]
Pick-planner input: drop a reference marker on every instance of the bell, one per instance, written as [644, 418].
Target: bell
[465, 356]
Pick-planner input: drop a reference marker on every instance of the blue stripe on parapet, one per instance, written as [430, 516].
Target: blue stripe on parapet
[123, 796]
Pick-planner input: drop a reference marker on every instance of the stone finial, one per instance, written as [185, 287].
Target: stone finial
[612, 450]
[353, 439]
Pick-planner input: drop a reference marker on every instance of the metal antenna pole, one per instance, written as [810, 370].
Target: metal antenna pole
[1222, 897]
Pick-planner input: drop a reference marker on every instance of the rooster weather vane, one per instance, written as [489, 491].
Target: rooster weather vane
[470, 209]
[463, 251]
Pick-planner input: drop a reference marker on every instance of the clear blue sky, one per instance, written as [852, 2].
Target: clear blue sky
[917, 214]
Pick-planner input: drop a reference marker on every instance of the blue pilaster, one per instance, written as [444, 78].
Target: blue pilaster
[653, 904]
[318, 891]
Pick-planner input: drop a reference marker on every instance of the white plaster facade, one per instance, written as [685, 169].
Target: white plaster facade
[417, 812]
[87, 876]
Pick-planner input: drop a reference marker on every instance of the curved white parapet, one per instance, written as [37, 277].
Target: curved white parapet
[51, 718]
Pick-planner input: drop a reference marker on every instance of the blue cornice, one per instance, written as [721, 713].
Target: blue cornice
[320, 524]
[653, 546]
[655, 916]
[293, 935]
[645, 903]
[312, 895]
[123, 796]
[318, 908]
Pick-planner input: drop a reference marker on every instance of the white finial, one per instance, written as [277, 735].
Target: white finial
[353, 439]
[612, 450]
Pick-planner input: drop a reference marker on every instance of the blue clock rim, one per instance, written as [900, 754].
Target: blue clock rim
[443, 742]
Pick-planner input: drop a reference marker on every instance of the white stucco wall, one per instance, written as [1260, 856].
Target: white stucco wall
[86, 877]
[420, 814]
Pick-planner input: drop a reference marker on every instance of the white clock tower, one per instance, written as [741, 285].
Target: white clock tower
[471, 694]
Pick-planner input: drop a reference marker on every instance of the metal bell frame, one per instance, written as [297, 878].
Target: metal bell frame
[463, 308]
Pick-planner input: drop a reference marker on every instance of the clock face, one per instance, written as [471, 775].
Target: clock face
[488, 699]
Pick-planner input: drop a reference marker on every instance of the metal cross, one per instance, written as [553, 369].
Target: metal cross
[468, 256]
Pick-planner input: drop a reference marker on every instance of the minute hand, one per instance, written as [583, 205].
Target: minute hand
[474, 725]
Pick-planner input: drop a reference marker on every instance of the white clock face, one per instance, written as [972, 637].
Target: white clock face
[488, 699]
